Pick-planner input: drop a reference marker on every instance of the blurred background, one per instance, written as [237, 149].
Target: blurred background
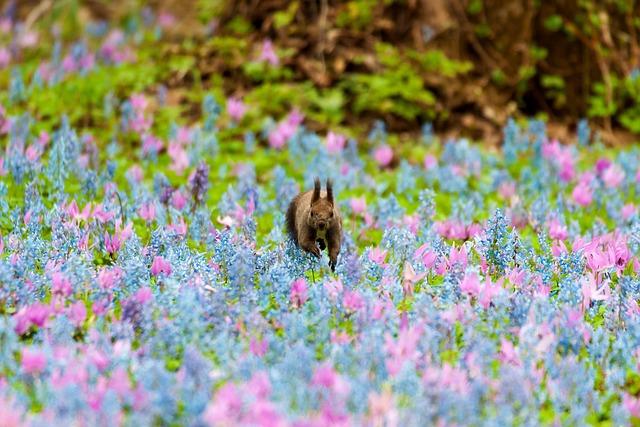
[464, 66]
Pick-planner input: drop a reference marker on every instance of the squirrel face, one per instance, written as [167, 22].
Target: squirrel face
[321, 216]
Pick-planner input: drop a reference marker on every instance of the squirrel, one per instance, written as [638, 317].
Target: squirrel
[314, 221]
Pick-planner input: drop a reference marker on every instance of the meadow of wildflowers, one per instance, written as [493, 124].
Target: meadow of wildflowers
[146, 277]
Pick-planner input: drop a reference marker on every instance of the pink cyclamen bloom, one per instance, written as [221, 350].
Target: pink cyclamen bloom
[352, 301]
[298, 293]
[430, 162]
[470, 284]
[236, 109]
[613, 176]
[582, 194]
[335, 142]
[628, 211]
[268, 53]
[77, 313]
[160, 265]
[147, 211]
[33, 361]
[383, 155]
[358, 205]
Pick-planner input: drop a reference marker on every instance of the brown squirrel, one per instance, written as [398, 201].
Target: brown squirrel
[313, 220]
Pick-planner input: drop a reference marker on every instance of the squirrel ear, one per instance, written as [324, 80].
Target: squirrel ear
[316, 191]
[330, 191]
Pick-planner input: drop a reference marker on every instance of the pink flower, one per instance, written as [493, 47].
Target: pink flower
[151, 144]
[428, 256]
[628, 211]
[632, 404]
[77, 313]
[489, 290]
[358, 205]
[34, 314]
[147, 211]
[324, 376]
[258, 347]
[108, 277]
[33, 361]
[145, 294]
[378, 256]
[383, 155]
[160, 265]
[166, 20]
[60, 284]
[10, 415]
[101, 215]
[268, 53]
[430, 162]
[333, 288]
[298, 294]
[402, 350]
[458, 256]
[507, 189]
[591, 292]
[5, 57]
[613, 176]
[226, 407]
[410, 278]
[602, 164]
[179, 157]
[139, 102]
[236, 109]
[582, 194]
[557, 230]
[508, 353]
[178, 200]
[352, 301]
[335, 142]
[470, 284]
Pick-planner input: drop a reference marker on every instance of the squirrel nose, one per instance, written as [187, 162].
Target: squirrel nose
[322, 225]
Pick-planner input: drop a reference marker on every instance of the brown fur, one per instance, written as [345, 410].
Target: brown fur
[313, 220]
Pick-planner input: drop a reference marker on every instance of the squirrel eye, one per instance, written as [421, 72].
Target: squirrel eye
[331, 215]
